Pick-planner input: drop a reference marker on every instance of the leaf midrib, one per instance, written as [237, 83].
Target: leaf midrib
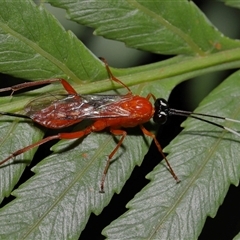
[71, 185]
[195, 48]
[192, 180]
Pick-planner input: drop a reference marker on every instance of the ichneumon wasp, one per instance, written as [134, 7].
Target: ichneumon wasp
[113, 112]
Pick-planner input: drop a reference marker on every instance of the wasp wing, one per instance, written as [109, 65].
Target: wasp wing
[105, 106]
[62, 111]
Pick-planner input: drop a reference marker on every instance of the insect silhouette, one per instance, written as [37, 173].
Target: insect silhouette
[113, 112]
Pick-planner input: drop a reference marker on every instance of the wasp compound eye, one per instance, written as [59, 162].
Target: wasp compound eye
[161, 111]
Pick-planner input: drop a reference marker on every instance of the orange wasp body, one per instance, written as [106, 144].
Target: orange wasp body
[106, 111]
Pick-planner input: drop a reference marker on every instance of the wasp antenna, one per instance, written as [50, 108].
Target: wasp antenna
[232, 120]
[194, 115]
[232, 131]
[188, 113]
[216, 124]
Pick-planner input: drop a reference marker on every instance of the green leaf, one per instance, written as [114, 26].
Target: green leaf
[65, 189]
[40, 47]
[26, 51]
[165, 27]
[14, 134]
[232, 3]
[60, 197]
[206, 160]
[237, 237]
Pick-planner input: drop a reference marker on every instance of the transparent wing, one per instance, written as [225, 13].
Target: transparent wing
[78, 107]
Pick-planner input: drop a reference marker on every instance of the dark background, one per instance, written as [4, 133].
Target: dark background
[185, 96]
